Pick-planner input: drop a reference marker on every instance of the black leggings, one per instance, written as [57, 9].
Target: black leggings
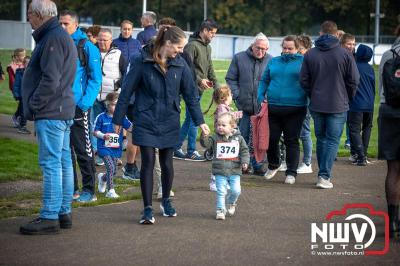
[146, 172]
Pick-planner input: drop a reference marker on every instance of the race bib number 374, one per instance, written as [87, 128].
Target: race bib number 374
[227, 150]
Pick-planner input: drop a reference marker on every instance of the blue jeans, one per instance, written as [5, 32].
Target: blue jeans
[305, 136]
[328, 129]
[244, 127]
[97, 108]
[221, 183]
[56, 164]
[188, 129]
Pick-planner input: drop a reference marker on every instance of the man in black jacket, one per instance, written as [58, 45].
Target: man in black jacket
[330, 77]
[243, 76]
[49, 101]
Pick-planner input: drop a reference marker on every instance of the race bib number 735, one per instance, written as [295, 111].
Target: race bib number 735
[227, 150]
[112, 141]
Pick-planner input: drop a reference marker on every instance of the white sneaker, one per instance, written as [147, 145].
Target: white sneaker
[220, 215]
[231, 209]
[290, 180]
[283, 167]
[112, 194]
[304, 169]
[270, 173]
[159, 194]
[324, 183]
[101, 186]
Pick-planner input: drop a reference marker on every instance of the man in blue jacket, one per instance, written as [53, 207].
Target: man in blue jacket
[330, 77]
[148, 20]
[86, 87]
[362, 107]
[49, 102]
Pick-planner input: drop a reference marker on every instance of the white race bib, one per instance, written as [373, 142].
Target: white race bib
[227, 150]
[112, 141]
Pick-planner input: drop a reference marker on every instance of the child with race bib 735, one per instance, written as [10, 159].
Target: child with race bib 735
[109, 144]
[230, 156]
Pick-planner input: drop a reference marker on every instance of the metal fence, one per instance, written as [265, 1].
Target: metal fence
[15, 34]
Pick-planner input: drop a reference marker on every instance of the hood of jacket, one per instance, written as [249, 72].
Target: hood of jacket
[196, 37]
[289, 57]
[148, 57]
[78, 35]
[364, 53]
[326, 42]
[224, 137]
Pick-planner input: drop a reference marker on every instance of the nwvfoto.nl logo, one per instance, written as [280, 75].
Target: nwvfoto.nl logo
[348, 232]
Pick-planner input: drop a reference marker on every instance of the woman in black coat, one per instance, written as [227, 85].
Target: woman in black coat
[157, 77]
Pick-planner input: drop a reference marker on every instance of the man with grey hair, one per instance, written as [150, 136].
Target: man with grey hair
[85, 88]
[47, 94]
[148, 20]
[243, 76]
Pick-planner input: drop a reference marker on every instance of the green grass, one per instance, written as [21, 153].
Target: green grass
[19, 160]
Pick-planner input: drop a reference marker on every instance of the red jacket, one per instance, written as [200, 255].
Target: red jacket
[260, 136]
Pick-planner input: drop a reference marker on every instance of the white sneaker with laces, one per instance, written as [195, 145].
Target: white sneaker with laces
[283, 167]
[353, 158]
[324, 183]
[304, 169]
[270, 173]
[231, 209]
[112, 194]
[290, 180]
[101, 186]
[220, 215]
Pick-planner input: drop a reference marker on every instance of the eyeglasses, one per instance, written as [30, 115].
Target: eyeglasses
[261, 49]
[102, 40]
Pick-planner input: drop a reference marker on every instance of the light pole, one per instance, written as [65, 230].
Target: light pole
[144, 6]
[23, 10]
[205, 10]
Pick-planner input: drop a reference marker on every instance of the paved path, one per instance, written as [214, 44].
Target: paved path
[272, 225]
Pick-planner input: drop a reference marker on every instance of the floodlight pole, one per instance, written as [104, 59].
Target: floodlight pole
[144, 6]
[377, 17]
[23, 11]
[205, 10]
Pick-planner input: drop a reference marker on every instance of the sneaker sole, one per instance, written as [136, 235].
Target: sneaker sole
[144, 221]
[130, 178]
[66, 226]
[305, 172]
[195, 160]
[323, 186]
[166, 215]
[290, 182]
[179, 158]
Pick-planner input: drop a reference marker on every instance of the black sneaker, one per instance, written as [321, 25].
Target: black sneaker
[130, 175]
[23, 130]
[65, 220]
[147, 217]
[166, 208]
[361, 162]
[40, 226]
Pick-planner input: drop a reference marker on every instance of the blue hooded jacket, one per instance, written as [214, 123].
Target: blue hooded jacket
[128, 46]
[87, 79]
[363, 101]
[280, 83]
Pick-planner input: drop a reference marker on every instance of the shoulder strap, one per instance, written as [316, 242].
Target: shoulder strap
[81, 52]
[395, 54]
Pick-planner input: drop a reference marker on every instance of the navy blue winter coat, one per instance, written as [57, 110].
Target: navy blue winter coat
[145, 36]
[365, 96]
[19, 73]
[47, 82]
[329, 76]
[128, 47]
[156, 110]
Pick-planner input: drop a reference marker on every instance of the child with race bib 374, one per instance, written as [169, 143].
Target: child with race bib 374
[230, 156]
[109, 145]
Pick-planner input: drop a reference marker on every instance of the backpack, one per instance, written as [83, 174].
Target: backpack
[82, 56]
[391, 80]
